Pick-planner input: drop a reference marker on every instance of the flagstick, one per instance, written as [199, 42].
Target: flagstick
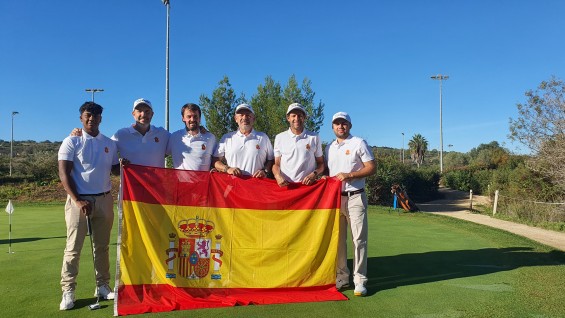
[10, 235]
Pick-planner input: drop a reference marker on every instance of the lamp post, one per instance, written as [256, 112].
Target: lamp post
[93, 90]
[440, 78]
[402, 147]
[168, 5]
[12, 142]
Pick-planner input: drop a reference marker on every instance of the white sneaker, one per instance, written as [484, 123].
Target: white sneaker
[341, 284]
[104, 292]
[68, 300]
[360, 290]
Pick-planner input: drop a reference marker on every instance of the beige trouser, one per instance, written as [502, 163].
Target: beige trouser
[353, 213]
[102, 219]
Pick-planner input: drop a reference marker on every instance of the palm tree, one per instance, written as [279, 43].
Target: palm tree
[418, 147]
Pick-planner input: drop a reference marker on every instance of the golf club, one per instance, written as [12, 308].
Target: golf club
[97, 304]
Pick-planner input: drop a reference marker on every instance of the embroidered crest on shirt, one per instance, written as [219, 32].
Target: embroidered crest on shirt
[307, 146]
[203, 147]
[347, 152]
[106, 150]
[156, 139]
[257, 147]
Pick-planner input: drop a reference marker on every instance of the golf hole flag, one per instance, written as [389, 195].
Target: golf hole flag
[193, 240]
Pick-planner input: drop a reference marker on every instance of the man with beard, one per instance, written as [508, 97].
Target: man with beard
[244, 151]
[298, 152]
[351, 160]
[190, 148]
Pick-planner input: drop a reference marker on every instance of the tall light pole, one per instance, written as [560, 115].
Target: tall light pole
[168, 5]
[12, 142]
[440, 78]
[402, 147]
[93, 90]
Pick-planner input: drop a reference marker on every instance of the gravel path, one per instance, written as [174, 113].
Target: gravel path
[456, 204]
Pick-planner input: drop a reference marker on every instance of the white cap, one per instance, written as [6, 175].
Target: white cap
[294, 106]
[342, 115]
[142, 101]
[244, 106]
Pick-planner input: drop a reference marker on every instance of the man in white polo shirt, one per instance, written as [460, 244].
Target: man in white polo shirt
[351, 160]
[190, 148]
[298, 152]
[85, 163]
[142, 143]
[245, 151]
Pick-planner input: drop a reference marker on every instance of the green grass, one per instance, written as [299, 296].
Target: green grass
[420, 265]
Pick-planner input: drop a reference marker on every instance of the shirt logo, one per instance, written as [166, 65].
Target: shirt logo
[257, 147]
[106, 150]
[156, 139]
[203, 147]
[307, 146]
[347, 152]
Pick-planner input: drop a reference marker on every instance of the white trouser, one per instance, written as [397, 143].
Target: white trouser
[353, 212]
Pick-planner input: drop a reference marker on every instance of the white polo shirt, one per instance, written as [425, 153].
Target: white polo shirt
[348, 156]
[191, 152]
[146, 150]
[248, 153]
[298, 153]
[93, 158]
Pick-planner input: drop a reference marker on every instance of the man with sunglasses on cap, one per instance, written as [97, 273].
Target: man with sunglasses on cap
[298, 152]
[244, 151]
[350, 160]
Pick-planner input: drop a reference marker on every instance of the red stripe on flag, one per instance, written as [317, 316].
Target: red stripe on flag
[192, 188]
[138, 299]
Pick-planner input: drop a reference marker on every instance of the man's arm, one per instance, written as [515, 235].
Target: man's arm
[65, 168]
[369, 168]
[277, 173]
[313, 176]
[218, 163]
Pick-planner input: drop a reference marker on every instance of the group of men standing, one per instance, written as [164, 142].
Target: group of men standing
[87, 157]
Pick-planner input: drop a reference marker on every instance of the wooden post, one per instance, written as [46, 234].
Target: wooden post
[471, 200]
[495, 202]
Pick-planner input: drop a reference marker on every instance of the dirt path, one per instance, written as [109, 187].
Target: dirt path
[456, 204]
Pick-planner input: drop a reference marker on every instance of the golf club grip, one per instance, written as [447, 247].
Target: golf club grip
[88, 226]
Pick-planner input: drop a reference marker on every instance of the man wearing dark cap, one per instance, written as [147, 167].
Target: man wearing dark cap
[85, 163]
[244, 151]
[298, 152]
[351, 160]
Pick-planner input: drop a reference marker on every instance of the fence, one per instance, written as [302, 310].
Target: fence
[534, 211]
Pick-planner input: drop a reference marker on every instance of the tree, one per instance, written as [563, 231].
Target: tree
[418, 146]
[540, 126]
[219, 110]
[271, 101]
[489, 155]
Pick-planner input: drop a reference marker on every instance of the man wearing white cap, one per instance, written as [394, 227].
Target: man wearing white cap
[190, 147]
[245, 151]
[298, 152]
[142, 143]
[351, 160]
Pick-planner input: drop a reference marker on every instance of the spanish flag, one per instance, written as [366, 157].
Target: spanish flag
[190, 240]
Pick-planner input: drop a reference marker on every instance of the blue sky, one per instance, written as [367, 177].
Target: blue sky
[372, 59]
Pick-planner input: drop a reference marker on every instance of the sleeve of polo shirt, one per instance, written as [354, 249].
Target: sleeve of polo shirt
[67, 150]
[319, 152]
[277, 148]
[221, 149]
[365, 152]
[115, 159]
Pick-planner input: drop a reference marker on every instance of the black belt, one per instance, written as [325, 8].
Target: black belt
[350, 193]
[94, 195]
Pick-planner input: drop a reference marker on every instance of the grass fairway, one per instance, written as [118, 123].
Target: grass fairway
[420, 265]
